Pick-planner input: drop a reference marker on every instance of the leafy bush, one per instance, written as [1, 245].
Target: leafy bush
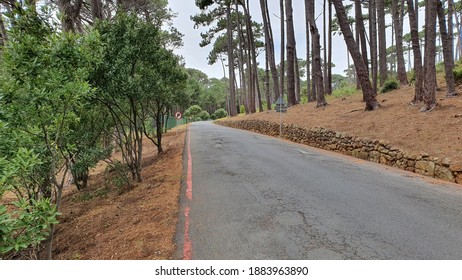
[204, 115]
[242, 109]
[25, 227]
[347, 90]
[389, 85]
[220, 113]
[458, 74]
[193, 112]
[26, 223]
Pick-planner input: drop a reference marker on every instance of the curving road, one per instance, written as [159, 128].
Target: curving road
[257, 197]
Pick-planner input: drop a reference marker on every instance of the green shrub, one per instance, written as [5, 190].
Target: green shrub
[204, 115]
[344, 91]
[458, 73]
[220, 113]
[440, 67]
[389, 86]
[193, 112]
[242, 109]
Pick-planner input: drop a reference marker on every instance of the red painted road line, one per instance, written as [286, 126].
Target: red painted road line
[187, 249]
[189, 175]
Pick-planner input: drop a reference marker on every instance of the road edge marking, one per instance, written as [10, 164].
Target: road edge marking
[189, 175]
[187, 243]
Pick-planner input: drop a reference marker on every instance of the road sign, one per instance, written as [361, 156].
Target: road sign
[178, 115]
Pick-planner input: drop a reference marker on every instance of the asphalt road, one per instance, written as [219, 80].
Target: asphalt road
[257, 197]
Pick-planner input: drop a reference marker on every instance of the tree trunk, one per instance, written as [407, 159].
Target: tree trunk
[362, 33]
[70, 15]
[3, 33]
[324, 42]
[398, 23]
[329, 53]
[417, 54]
[270, 47]
[373, 39]
[458, 44]
[241, 60]
[232, 90]
[309, 93]
[447, 51]
[267, 81]
[253, 53]
[96, 10]
[290, 55]
[283, 36]
[451, 30]
[429, 96]
[361, 70]
[317, 65]
[297, 78]
[383, 71]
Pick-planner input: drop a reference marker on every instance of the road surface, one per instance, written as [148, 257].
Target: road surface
[257, 197]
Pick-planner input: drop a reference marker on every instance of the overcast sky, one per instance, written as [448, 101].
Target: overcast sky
[196, 57]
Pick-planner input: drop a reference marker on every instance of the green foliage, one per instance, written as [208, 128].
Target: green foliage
[440, 67]
[44, 96]
[27, 221]
[458, 72]
[193, 112]
[25, 226]
[344, 91]
[219, 114]
[242, 109]
[389, 85]
[204, 115]
[138, 81]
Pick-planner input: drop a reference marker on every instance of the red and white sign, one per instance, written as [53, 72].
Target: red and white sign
[178, 115]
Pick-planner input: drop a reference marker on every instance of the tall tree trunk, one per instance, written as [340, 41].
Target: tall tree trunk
[361, 70]
[309, 92]
[317, 65]
[3, 33]
[459, 45]
[96, 10]
[232, 89]
[383, 71]
[251, 84]
[270, 47]
[362, 32]
[447, 51]
[253, 56]
[297, 78]
[429, 96]
[373, 39]
[283, 46]
[242, 78]
[451, 23]
[290, 55]
[324, 42]
[417, 54]
[267, 81]
[398, 23]
[329, 53]
[70, 15]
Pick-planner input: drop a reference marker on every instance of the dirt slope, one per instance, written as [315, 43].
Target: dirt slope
[438, 133]
[107, 222]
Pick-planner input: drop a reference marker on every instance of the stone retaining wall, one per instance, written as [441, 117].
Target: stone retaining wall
[379, 151]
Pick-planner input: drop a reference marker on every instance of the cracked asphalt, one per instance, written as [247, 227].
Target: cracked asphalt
[257, 197]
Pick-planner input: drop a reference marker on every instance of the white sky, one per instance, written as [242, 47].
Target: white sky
[196, 57]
